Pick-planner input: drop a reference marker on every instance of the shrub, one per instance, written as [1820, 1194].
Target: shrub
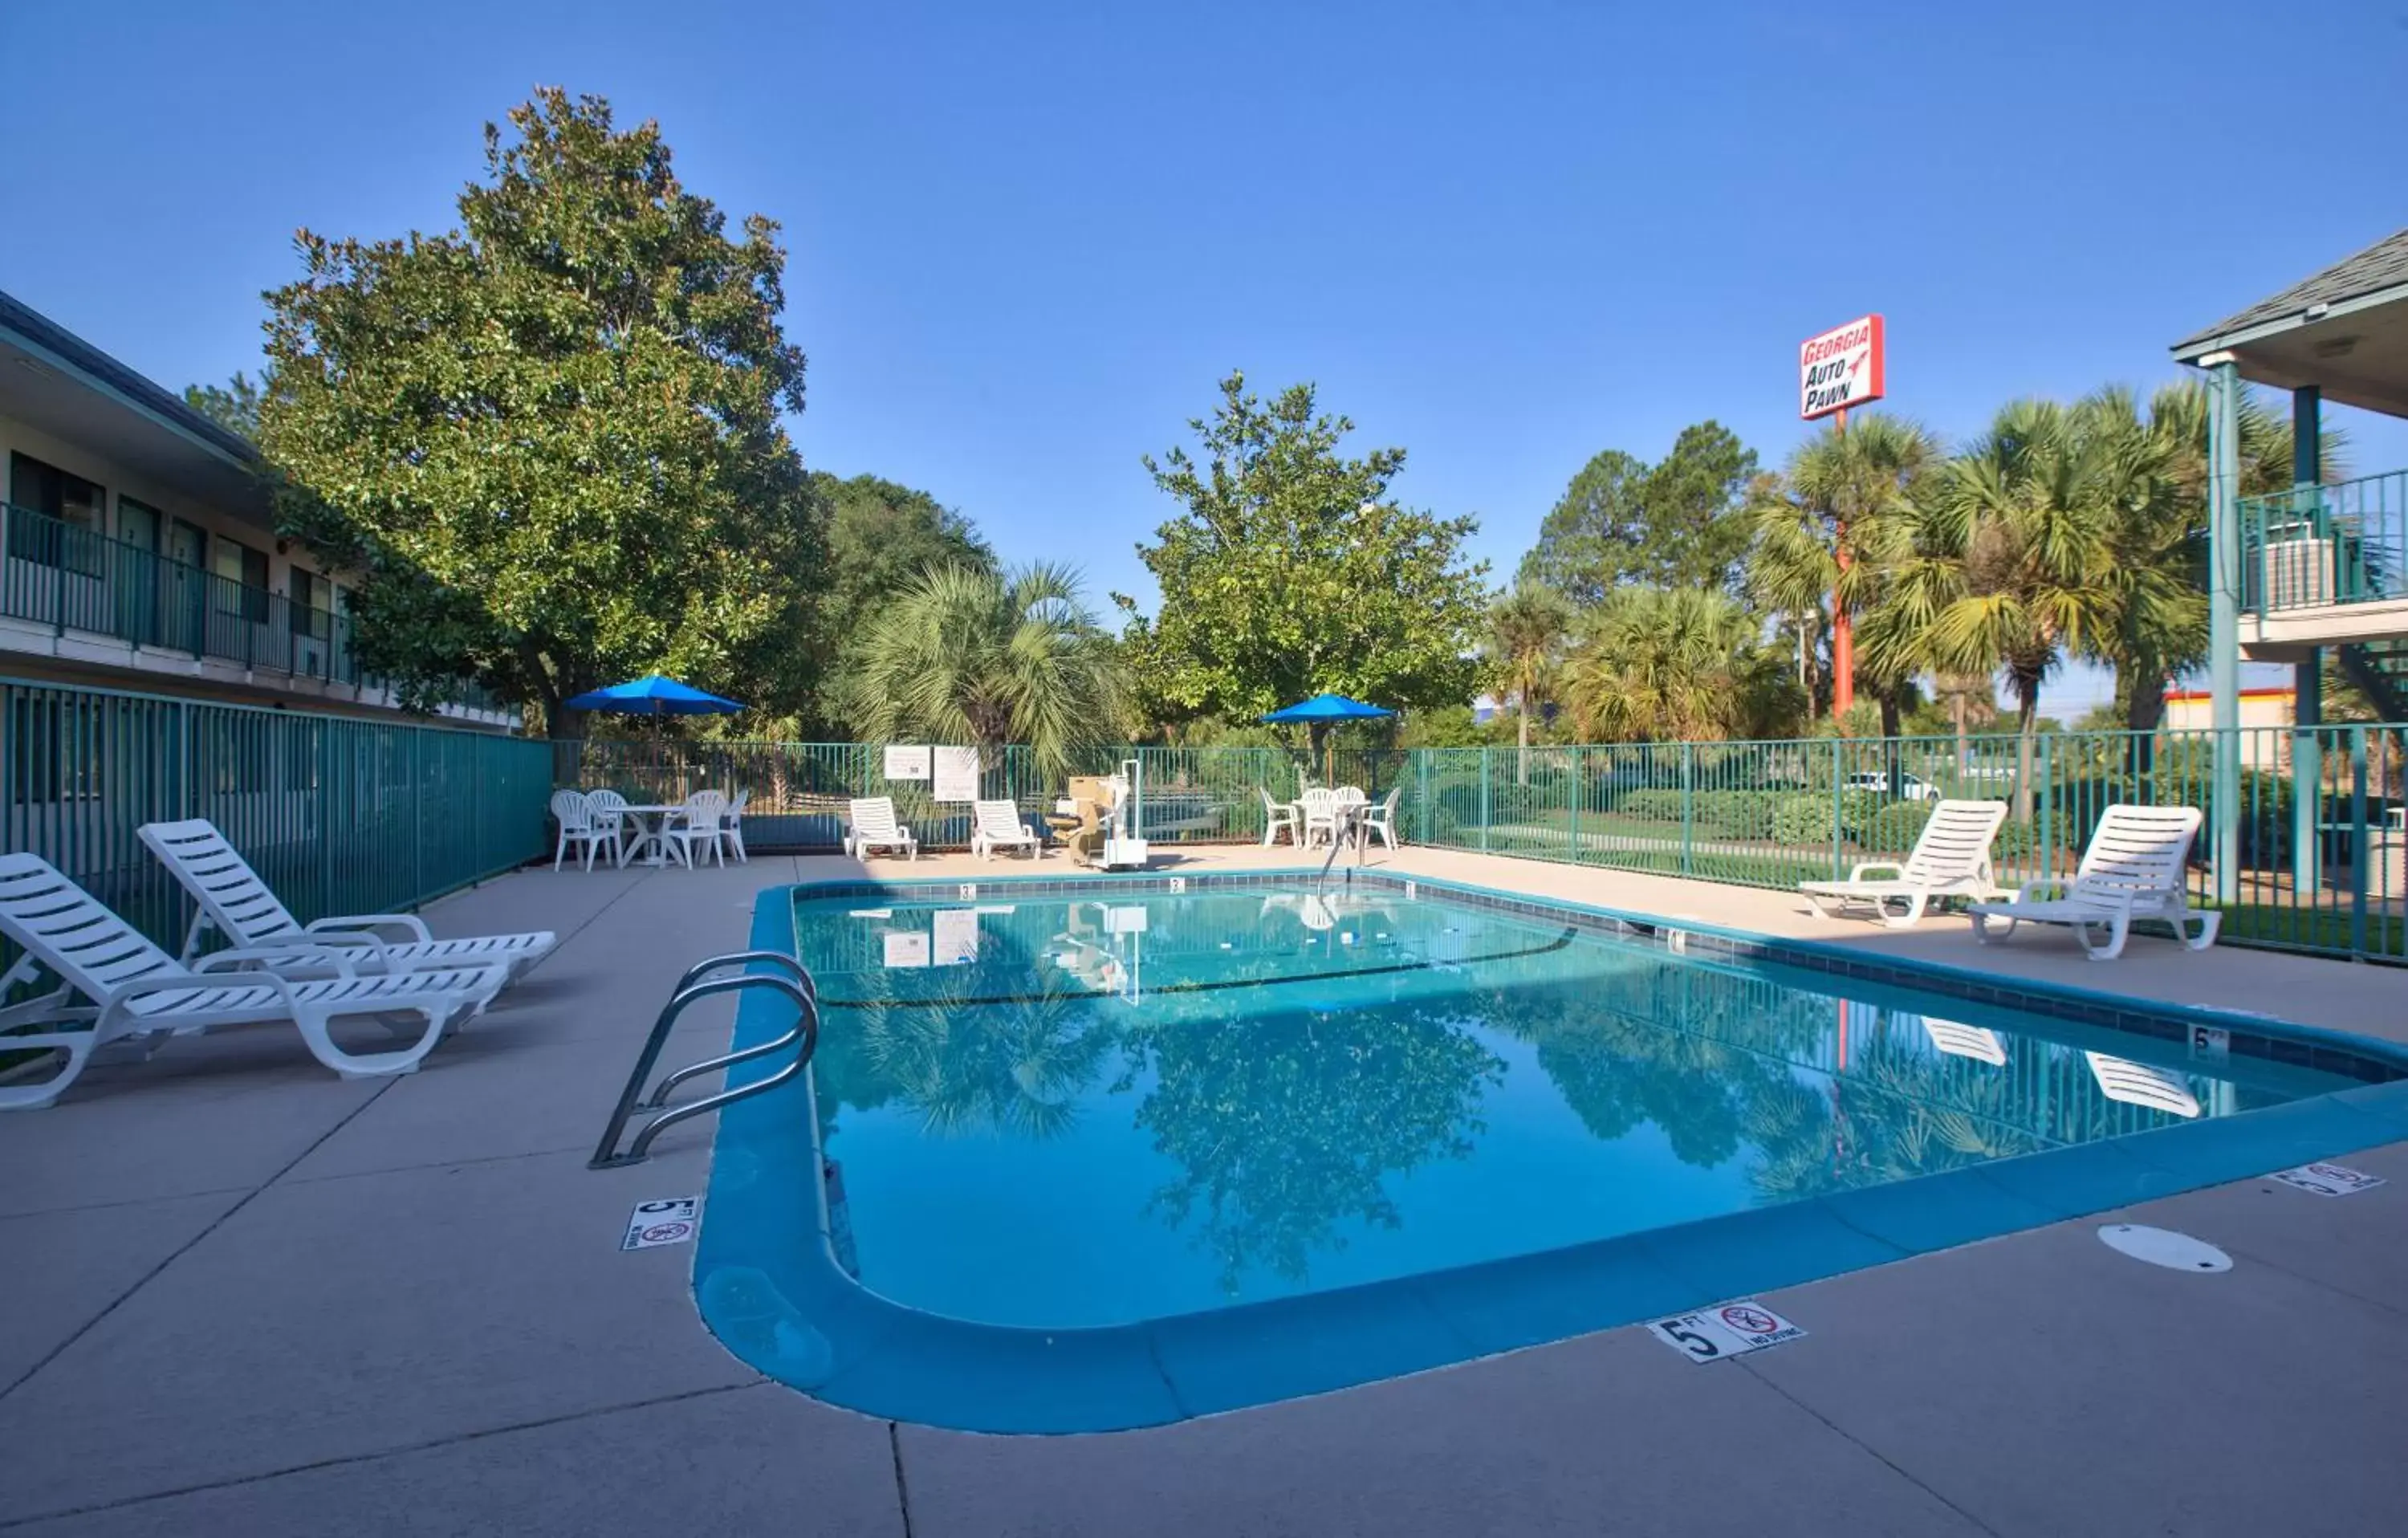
[1894, 829]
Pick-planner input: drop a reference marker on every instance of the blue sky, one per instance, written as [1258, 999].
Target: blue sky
[1027, 240]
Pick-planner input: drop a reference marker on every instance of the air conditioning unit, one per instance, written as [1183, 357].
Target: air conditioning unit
[2299, 571]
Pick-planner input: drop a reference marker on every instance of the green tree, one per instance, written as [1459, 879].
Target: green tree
[1682, 665]
[550, 441]
[233, 405]
[1677, 524]
[1527, 627]
[2007, 560]
[968, 653]
[1290, 572]
[1829, 524]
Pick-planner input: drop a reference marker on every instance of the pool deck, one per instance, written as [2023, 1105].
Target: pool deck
[240, 1296]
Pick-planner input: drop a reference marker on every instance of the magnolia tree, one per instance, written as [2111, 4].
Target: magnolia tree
[1289, 571]
[548, 442]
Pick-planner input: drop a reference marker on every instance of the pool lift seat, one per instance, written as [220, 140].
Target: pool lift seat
[790, 979]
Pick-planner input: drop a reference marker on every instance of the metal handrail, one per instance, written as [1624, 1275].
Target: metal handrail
[799, 988]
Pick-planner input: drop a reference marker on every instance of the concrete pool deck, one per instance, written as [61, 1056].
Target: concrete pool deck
[238, 1295]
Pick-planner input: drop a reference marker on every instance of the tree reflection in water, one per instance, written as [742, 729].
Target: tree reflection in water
[1290, 1127]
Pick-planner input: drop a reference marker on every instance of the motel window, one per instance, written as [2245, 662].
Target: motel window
[309, 603]
[74, 540]
[242, 578]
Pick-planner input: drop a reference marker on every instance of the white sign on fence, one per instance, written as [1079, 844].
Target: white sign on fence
[956, 775]
[906, 947]
[907, 761]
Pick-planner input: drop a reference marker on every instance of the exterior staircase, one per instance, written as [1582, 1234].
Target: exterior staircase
[2379, 668]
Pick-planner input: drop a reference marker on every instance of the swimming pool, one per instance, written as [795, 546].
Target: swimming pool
[1093, 1154]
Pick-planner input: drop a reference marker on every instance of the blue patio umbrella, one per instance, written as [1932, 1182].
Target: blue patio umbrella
[654, 694]
[1322, 709]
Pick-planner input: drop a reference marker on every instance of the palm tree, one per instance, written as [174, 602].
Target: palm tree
[2005, 566]
[1677, 665]
[1528, 625]
[1820, 529]
[965, 653]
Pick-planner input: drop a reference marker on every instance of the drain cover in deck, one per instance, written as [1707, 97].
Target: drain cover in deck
[2164, 1247]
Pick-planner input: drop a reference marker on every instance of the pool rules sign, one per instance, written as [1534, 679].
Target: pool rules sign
[1840, 369]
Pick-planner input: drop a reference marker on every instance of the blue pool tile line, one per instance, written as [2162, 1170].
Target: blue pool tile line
[768, 1285]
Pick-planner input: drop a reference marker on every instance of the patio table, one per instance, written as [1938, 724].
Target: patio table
[652, 817]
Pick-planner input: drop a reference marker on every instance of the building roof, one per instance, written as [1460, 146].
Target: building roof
[47, 334]
[2381, 265]
[58, 384]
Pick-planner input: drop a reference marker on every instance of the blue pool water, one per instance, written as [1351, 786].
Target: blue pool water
[1073, 1113]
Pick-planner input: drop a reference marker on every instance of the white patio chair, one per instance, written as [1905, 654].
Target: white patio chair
[874, 827]
[731, 826]
[1278, 817]
[997, 824]
[229, 896]
[1382, 819]
[610, 811]
[694, 831]
[1951, 859]
[574, 812]
[1318, 809]
[135, 994]
[2133, 869]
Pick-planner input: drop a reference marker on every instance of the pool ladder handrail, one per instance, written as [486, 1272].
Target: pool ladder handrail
[691, 988]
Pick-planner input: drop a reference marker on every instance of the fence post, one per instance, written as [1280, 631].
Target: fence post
[1580, 794]
[2047, 840]
[417, 809]
[1839, 790]
[1423, 821]
[1689, 808]
[2357, 843]
[1484, 800]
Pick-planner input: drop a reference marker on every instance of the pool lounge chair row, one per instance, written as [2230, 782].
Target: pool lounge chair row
[118, 991]
[995, 826]
[2132, 870]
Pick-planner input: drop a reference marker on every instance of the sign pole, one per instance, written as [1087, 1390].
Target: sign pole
[1843, 637]
[1841, 368]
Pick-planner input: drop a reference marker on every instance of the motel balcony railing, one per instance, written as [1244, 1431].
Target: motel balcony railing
[75, 581]
[2318, 546]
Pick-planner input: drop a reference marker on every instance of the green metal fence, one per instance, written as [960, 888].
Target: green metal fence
[338, 815]
[2319, 872]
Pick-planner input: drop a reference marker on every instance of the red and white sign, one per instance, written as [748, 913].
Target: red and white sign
[1840, 369]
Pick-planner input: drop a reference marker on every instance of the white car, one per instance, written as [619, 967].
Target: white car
[1912, 788]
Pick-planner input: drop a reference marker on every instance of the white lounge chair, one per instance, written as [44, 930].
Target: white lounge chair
[2138, 1084]
[695, 832]
[874, 828]
[997, 824]
[229, 895]
[2133, 869]
[139, 995]
[1951, 859]
[1278, 817]
[578, 824]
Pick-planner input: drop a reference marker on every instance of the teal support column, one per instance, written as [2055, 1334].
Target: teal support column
[2308, 676]
[2224, 618]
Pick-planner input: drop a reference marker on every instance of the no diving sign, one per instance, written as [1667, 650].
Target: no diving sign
[1733, 1330]
[2328, 1179]
[669, 1222]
